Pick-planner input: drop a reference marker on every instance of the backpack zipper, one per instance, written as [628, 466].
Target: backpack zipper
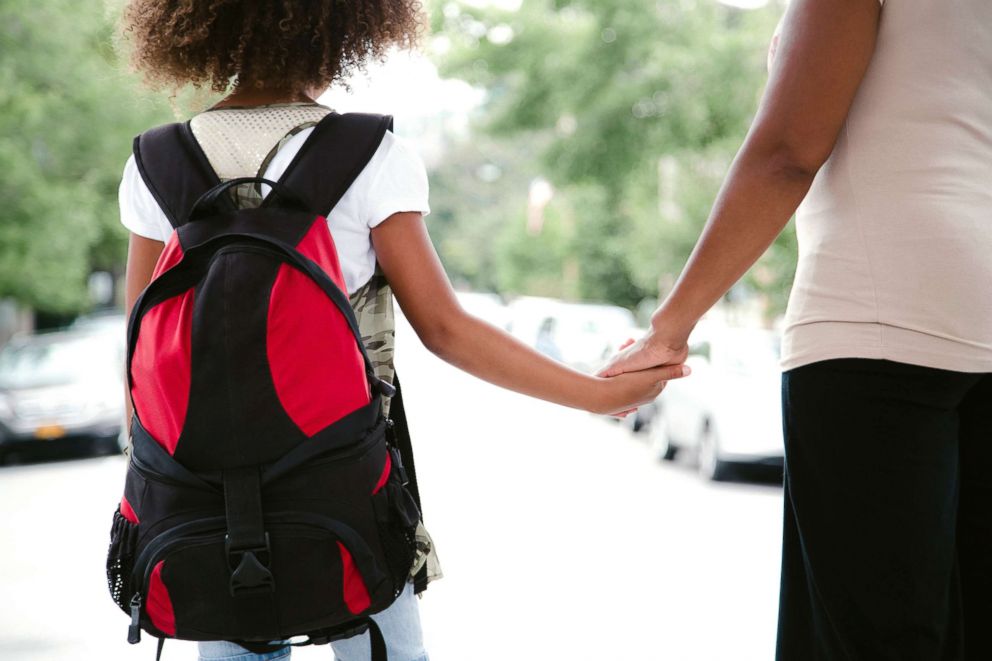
[134, 631]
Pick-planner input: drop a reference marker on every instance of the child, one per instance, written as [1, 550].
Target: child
[271, 60]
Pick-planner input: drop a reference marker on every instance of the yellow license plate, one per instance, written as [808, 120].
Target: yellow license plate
[48, 432]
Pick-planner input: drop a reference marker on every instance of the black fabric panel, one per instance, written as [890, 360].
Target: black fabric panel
[234, 416]
[149, 454]
[174, 168]
[334, 154]
[366, 422]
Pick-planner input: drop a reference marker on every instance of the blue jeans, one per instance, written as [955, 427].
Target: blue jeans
[400, 626]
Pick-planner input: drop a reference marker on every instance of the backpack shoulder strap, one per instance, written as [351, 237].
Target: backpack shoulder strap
[174, 168]
[333, 156]
[178, 173]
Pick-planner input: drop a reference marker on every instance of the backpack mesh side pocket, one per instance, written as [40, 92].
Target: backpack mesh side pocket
[398, 518]
[120, 559]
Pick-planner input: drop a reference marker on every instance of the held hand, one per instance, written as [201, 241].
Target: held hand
[647, 352]
[626, 392]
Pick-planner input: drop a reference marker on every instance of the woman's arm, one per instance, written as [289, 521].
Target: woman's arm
[411, 265]
[142, 254]
[821, 56]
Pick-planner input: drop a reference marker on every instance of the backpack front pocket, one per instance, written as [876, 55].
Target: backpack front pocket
[196, 588]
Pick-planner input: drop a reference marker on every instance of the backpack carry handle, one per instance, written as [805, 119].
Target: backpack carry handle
[214, 201]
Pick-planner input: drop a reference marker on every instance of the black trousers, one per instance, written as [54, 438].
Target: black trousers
[887, 550]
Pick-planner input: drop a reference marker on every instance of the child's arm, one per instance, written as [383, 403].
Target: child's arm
[411, 265]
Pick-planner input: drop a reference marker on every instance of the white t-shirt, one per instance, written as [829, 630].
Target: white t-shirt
[895, 235]
[394, 181]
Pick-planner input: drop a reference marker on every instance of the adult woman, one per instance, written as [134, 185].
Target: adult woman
[884, 116]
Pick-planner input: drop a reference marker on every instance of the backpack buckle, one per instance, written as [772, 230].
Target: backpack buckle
[250, 572]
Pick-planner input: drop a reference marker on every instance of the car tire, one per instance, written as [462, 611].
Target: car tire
[661, 441]
[107, 445]
[632, 422]
[708, 462]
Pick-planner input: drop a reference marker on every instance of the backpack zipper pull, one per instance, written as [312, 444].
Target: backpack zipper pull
[134, 631]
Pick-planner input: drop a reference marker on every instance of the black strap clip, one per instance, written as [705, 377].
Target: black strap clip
[250, 572]
[383, 387]
[397, 460]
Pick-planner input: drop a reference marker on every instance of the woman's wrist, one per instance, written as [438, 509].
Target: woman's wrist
[670, 329]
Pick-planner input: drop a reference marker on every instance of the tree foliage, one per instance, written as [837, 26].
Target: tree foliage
[67, 117]
[640, 106]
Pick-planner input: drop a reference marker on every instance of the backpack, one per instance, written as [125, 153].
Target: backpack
[264, 500]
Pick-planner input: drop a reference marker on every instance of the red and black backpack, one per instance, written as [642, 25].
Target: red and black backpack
[263, 499]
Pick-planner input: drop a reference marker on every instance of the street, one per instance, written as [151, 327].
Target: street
[561, 538]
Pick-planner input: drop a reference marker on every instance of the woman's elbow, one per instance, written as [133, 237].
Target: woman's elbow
[783, 152]
[800, 162]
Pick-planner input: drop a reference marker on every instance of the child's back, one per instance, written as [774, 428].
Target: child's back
[281, 56]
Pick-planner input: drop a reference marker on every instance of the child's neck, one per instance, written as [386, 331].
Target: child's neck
[262, 97]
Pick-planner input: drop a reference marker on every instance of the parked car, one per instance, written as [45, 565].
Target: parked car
[110, 321]
[582, 335]
[729, 410]
[640, 421]
[486, 306]
[62, 389]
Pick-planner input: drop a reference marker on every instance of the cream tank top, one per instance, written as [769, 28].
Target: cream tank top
[895, 235]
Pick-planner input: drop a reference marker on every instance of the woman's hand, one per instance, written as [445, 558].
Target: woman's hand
[621, 394]
[653, 350]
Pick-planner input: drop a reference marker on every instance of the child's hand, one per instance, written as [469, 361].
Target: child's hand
[623, 393]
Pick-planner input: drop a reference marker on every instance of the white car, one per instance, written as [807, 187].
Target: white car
[486, 306]
[581, 335]
[729, 410]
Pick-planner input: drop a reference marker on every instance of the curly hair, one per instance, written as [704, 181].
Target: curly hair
[277, 44]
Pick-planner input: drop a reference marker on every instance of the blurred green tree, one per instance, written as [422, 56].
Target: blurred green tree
[641, 107]
[67, 117]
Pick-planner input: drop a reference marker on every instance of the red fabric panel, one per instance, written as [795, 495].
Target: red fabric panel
[128, 512]
[317, 368]
[158, 604]
[385, 474]
[356, 595]
[160, 369]
[171, 255]
[318, 245]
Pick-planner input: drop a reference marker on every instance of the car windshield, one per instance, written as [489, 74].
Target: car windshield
[44, 361]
